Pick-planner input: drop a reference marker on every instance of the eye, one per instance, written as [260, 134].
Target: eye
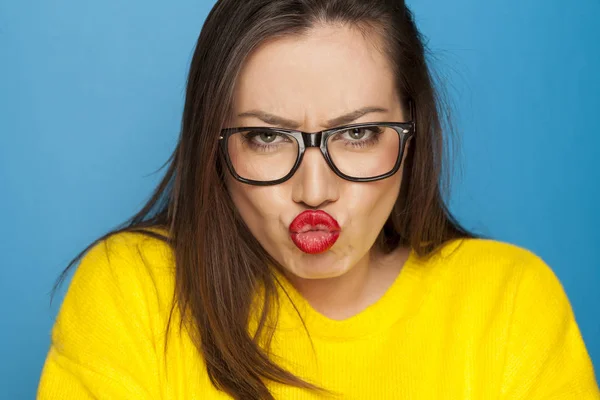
[356, 133]
[265, 137]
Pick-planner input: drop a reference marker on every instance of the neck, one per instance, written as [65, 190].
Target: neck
[363, 284]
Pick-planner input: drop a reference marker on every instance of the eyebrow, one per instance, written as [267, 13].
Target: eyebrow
[272, 119]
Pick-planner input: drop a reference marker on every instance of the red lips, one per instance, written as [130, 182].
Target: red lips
[314, 231]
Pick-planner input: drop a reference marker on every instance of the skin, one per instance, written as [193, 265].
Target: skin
[310, 80]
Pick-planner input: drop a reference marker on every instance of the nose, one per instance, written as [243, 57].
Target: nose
[314, 183]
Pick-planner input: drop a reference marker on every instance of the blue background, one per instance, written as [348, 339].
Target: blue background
[91, 95]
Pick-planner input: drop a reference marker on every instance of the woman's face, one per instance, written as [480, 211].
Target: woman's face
[311, 79]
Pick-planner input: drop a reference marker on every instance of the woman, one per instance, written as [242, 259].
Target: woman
[299, 247]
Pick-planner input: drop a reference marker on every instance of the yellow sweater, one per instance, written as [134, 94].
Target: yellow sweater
[480, 320]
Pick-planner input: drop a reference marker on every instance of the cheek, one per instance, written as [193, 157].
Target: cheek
[259, 206]
[369, 204]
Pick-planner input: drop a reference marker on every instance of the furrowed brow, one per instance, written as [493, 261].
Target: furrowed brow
[345, 119]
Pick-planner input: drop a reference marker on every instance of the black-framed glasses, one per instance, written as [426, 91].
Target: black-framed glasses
[362, 152]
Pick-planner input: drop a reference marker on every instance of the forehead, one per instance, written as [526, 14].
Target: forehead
[327, 71]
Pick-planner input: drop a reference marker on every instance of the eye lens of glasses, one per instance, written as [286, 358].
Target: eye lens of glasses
[361, 152]
[262, 155]
[364, 152]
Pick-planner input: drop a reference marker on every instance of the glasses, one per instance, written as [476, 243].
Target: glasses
[363, 152]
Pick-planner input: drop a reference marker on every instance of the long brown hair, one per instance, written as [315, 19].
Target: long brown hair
[217, 273]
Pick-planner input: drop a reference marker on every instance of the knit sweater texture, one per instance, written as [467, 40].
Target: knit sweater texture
[480, 319]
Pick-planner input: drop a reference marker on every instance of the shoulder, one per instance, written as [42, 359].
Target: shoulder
[495, 271]
[513, 293]
[489, 256]
[105, 336]
[139, 250]
[487, 250]
[127, 253]
[127, 265]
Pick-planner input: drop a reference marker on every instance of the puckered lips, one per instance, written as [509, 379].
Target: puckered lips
[314, 231]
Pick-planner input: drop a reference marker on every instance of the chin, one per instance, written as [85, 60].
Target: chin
[319, 266]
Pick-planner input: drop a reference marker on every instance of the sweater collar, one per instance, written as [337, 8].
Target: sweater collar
[401, 300]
